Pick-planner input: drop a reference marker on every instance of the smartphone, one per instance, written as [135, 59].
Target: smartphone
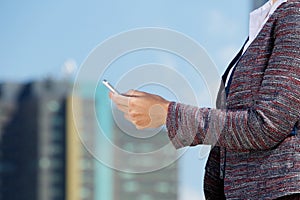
[110, 87]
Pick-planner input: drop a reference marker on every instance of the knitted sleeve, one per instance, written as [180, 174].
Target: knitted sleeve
[274, 113]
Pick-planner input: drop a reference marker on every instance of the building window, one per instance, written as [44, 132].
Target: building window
[127, 176]
[86, 164]
[44, 163]
[85, 193]
[56, 163]
[145, 197]
[56, 192]
[53, 106]
[131, 186]
[162, 187]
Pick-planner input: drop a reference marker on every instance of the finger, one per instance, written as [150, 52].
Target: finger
[122, 108]
[110, 94]
[140, 127]
[142, 124]
[120, 99]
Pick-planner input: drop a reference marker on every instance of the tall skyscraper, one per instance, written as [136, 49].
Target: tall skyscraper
[80, 176]
[157, 184]
[258, 3]
[152, 185]
[41, 156]
[8, 92]
[33, 144]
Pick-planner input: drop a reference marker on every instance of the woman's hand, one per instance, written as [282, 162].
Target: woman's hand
[144, 110]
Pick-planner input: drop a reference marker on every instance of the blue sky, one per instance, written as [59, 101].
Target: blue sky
[39, 37]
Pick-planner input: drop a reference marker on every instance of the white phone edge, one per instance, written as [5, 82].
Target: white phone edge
[109, 86]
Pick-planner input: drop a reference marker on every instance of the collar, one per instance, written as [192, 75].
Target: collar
[259, 17]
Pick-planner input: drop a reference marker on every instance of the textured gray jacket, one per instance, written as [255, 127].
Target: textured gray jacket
[254, 154]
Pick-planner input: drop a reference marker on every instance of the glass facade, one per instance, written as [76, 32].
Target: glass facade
[160, 184]
[37, 159]
[258, 3]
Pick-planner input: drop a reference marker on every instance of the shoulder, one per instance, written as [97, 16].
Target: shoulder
[293, 2]
[288, 15]
[290, 7]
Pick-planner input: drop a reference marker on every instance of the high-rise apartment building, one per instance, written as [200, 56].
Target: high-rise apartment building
[157, 184]
[41, 156]
[258, 3]
[154, 184]
[80, 177]
[33, 144]
[8, 92]
[45, 153]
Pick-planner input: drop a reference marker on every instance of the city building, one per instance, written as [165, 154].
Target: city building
[33, 144]
[123, 183]
[41, 156]
[8, 92]
[258, 3]
[80, 177]
[45, 154]
[157, 184]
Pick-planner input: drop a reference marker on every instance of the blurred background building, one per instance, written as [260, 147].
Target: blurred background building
[33, 143]
[42, 156]
[160, 184]
[258, 3]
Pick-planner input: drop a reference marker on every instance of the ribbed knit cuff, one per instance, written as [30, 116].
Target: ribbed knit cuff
[172, 124]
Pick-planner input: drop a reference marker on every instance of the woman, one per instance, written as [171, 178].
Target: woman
[255, 126]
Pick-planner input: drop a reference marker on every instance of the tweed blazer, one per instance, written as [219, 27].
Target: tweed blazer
[254, 155]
